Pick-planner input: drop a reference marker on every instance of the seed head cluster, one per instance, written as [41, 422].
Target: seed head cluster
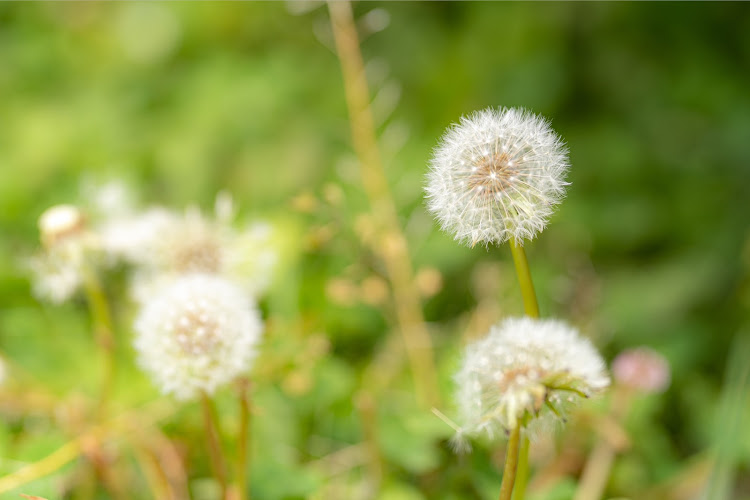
[196, 335]
[68, 246]
[196, 279]
[524, 369]
[497, 175]
[163, 245]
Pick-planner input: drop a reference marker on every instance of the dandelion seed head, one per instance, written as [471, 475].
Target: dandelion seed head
[196, 335]
[57, 270]
[172, 245]
[496, 175]
[525, 370]
[132, 238]
[60, 222]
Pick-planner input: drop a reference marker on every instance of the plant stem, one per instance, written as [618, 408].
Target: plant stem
[599, 463]
[243, 450]
[389, 243]
[214, 446]
[511, 464]
[366, 404]
[522, 474]
[49, 464]
[596, 472]
[73, 449]
[103, 333]
[531, 308]
[530, 305]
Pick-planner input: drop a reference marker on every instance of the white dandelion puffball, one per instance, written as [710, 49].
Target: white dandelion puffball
[199, 333]
[59, 223]
[132, 238]
[497, 175]
[57, 271]
[525, 369]
[171, 245]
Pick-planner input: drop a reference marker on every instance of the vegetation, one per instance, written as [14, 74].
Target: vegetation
[180, 101]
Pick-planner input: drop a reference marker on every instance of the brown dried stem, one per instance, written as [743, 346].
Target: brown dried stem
[390, 241]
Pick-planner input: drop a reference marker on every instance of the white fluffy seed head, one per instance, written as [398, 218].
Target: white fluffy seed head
[68, 248]
[131, 238]
[197, 334]
[525, 370]
[60, 222]
[496, 175]
[164, 245]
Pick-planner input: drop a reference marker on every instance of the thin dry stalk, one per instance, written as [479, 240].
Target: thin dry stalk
[390, 242]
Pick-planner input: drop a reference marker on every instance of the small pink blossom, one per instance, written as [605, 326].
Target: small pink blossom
[642, 369]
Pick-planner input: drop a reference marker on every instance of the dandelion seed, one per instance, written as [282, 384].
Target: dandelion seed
[519, 370]
[497, 175]
[198, 334]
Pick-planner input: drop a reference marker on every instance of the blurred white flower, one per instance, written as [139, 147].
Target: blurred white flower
[59, 223]
[525, 369]
[108, 199]
[197, 334]
[132, 238]
[164, 245]
[642, 369]
[497, 175]
[58, 270]
[3, 371]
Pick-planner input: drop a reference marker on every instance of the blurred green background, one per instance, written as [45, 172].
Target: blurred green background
[181, 100]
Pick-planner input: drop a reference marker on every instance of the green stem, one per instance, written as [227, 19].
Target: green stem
[244, 438]
[531, 308]
[103, 333]
[530, 305]
[522, 474]
[511, 464]
[214, 446]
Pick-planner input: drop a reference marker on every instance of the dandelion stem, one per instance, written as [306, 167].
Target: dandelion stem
[214, 446]
[244, 439]
[103, 332]
[390, 243]
[49, 464]
[366, 404]
[511, 464]
[531, 308]
[599, 463]
[522, 473]
[596, 472]
[530, 305]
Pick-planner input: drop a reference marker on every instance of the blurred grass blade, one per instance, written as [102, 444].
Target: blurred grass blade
[729, 421]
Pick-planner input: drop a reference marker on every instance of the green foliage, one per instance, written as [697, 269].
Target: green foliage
[652, 100]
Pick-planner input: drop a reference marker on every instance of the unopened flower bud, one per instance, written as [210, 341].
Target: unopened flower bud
[642, 369]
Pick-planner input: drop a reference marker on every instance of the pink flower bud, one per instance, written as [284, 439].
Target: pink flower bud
[642, 369]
